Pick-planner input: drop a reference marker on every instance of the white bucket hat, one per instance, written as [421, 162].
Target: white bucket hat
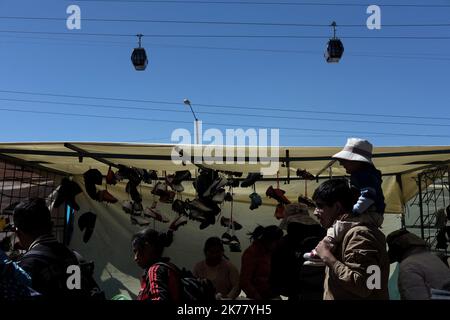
[356, 150]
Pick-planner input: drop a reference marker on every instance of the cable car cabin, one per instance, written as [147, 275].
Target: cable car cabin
[139, 59]
[334, 51]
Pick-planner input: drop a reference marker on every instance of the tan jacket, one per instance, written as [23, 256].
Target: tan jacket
[360, 248]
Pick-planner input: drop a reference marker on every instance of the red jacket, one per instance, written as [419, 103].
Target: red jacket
[255, 272]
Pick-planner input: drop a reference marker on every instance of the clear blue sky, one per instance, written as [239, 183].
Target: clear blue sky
[391, 77]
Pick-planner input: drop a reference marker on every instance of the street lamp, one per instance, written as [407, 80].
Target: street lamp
[187, 102]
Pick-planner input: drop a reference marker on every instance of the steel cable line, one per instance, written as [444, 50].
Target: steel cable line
[312, 4]
[223, 113]
[93, 43]
[226, 36]
[245, 23]
[223, 124]
[224, 106]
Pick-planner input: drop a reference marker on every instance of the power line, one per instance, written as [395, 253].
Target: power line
[225, 36]
[403, 56]
[312, 4]
[296, 110]
[223, 124]
[246, 23]
[223, 113]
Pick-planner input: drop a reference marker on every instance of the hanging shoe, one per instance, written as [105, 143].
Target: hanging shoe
[178, 222]
[226, 238]
[167, 197]
[131, 189]
[305, 175]
[217, 184]
[228, 197]
[127, 206]
[140, 221]
[255, 201]
[219, 197]
[179, 207]
[105, 196]
[149, 176]
[251, 179]
[86, 223]
[196, 203]
[235, 245]
[178, 187]
[196, 215]
[277, 194]
[279, 211]
[181, 175]
[66, 192]
[209, 220]
[159, 188]
[111, 177]
[226, 222]
[155, 214]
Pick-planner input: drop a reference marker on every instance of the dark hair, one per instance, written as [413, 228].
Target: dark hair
[33, 217]
[213, 242]
[335, 190]
[159, 240]
[266, 234]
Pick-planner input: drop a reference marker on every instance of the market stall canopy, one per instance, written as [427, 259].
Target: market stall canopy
[399, 165]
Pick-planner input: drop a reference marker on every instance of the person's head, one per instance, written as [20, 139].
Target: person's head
[268, 236]
[213, 251]
[32, 219]
[400, 242]
[148, 246]
[356, 155]
[333, 198]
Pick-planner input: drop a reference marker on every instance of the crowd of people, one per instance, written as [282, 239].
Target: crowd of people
[341, 254]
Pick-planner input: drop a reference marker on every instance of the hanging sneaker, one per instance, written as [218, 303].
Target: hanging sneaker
[305, 175]
[159, 188]
[228, 197]
[277, 194]
[219, 197]
[178, 187]
[127, 206]
[251, 179]
[235, 245]
[179, 207]
[105, 196]
[217, 184]
[196, 203]
[111, 177]
[155, 214]
[196, 215]
[209, 220]
[181, 175]
[255, 201]
[167, 197]
[226, 222]
[226, 238]
[140, 221]
[279, 211]
[178, 222]
[149, 175]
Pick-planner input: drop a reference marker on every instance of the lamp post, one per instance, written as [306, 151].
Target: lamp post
[187, 102]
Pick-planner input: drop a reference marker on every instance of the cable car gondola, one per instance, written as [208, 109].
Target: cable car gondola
[139, 56]
[335, 48]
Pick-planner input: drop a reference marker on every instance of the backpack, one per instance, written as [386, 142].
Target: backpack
[193, 289]
[57, 271]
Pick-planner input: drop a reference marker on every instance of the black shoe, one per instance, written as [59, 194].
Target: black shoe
[251, 179]
[181, 176]
[226, 238]
[87, 221]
